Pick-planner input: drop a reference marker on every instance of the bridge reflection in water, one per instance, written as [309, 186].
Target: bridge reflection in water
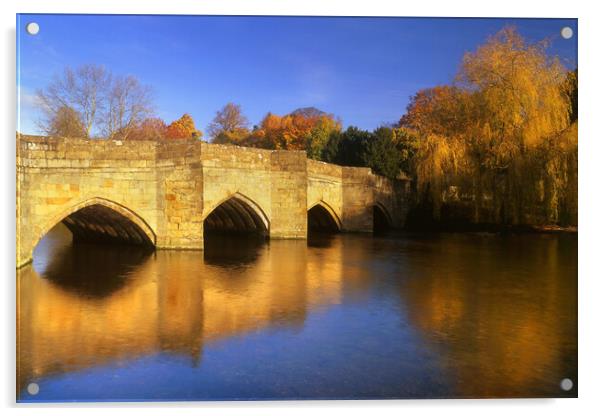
[346, 316]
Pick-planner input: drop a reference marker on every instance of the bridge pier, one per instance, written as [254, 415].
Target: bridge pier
[179, 196]
[358, 199]
[288, 205]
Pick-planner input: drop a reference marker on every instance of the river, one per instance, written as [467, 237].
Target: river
[335, 317]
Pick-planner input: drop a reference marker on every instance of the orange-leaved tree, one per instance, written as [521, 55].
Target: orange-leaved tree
[183, 128]
[303, 129]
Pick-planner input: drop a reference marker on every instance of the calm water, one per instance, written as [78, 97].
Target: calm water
[345, 316]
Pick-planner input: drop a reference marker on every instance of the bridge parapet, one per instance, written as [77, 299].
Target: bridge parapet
[60, 152]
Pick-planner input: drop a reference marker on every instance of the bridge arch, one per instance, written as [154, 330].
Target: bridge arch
[322, 217]
[381, 217]
[101, 220]
[237, 213]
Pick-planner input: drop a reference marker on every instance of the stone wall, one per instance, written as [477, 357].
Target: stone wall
[167, 189]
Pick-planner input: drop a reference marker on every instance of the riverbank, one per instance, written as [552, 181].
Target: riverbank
[494, 228]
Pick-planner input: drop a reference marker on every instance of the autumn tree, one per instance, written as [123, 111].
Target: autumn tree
[318, 136]
[502, 133]
[66, 122]
[571, 91]
[149, 129]
[438, 110]
[229, 125]
[303, 129]
[268, 134]
[104, 103]
[518, 92]
[438, 116]
[183, 128]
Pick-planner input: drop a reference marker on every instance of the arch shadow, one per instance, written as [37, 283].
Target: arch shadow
[237, 214]
[381, 218]
[94, 271]
[321, 217]
[100, 220]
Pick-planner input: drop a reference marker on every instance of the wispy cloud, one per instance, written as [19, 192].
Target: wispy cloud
[315, 81]
[40, 62]
[28, 112]
[26, 98]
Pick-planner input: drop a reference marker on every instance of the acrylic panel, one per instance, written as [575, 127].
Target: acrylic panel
[268, 208]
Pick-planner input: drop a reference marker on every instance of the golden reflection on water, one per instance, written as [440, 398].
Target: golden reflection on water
[501, 319]
[511, 330]
[140, 303]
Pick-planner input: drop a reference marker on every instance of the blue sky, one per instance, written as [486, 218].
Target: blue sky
[363, 70]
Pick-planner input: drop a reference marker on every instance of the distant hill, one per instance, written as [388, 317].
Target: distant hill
[309, 112]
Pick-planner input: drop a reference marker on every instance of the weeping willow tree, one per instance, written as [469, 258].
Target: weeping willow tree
[441, 166]
[505, 133]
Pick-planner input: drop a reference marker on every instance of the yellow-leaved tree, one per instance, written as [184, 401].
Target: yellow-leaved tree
[505, 133]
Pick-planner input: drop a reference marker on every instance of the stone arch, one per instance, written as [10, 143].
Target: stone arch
[102, 220]
[322, 217]
[381, 217]
[237, 213]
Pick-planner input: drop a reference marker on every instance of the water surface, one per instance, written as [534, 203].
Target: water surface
[343, 316]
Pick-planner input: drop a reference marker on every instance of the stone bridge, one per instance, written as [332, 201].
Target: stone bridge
[167, 194]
